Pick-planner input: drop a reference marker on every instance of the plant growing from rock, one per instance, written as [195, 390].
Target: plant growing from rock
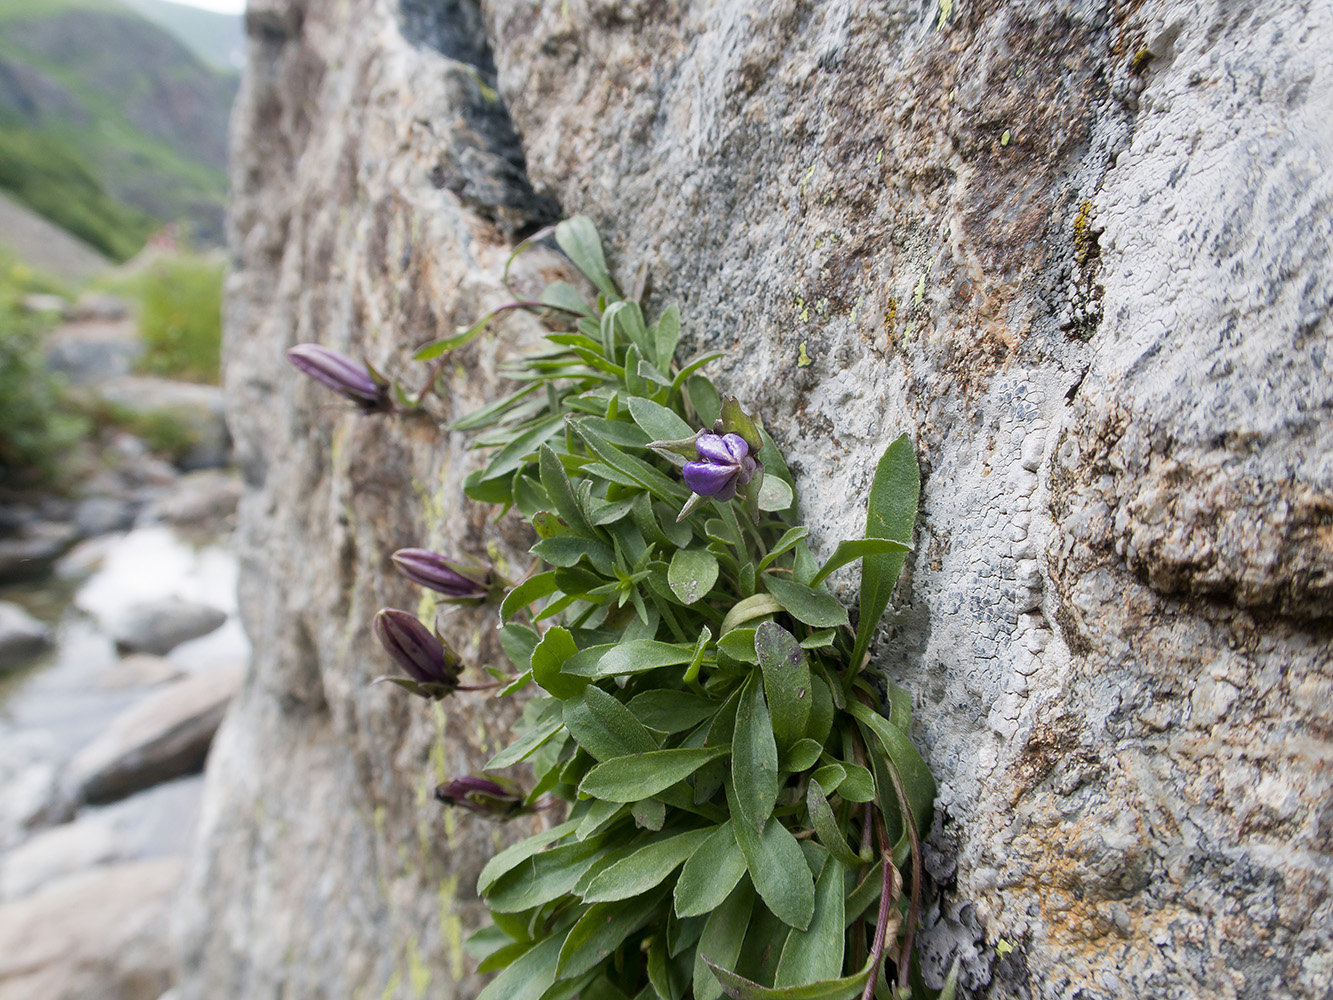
[741, 814]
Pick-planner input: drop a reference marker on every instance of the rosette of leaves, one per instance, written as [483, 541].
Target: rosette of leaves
[743, 815]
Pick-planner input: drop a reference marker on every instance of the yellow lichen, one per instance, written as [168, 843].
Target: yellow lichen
[946, 11]
[1083, 238]
[803, 359]
[1004, 138]
[451, 926]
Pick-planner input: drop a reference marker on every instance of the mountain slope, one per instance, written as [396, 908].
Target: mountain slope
[144, 116]
[217, 39]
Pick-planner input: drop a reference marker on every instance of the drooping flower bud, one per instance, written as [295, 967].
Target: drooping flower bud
[432, 667]
[500, 799]
[341, 374]
[460, 582]
[724, 465]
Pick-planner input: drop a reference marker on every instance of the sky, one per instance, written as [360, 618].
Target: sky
[224, 6]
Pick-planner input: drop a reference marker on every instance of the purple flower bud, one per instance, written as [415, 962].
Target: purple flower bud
[413, 646]
[724, 465]
[339, 373]
[456, 580]
[482, 795]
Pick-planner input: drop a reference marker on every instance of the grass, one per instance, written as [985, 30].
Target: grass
[180, 317]
[45, 174]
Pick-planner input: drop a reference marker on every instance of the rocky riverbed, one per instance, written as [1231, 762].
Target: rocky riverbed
[119, 652]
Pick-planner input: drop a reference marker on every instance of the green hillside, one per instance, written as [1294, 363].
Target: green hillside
[217, 39]
[109, 126]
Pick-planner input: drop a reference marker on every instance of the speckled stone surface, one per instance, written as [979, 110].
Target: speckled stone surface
[1079, 252]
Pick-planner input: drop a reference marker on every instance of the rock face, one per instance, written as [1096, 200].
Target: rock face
[1079, 253]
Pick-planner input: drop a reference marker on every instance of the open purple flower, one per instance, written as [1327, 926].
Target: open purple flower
[341, 374]
[724, 465]
[484, 796]
[432, 667]
[458, 581]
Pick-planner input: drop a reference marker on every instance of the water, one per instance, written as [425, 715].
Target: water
[53, 707]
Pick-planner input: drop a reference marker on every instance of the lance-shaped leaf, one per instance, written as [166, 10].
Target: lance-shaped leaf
[754, 757]
[666, 711]
[777, 868]
[628, 779]
[812, 607]
[543, 877]
[666, 335]
[748, 609]
[832, 989]
[529, 977]
[890, 513]
[633, 657]
[920, 785]
[710, 873]
[579, 239]
[604, 727]
[815, 955]
[645, 868]
[556, 483]
[826, 825]
[850, 551]
[601, 930]
[507, 859]
[556, 647]
[786, 682]
[723, 936]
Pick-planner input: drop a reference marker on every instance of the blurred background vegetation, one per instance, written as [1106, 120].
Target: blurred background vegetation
[113, 142]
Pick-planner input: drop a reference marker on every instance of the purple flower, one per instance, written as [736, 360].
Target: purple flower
[431, 665]
[482, 795]
[724, 464]
[341, 374]
[458, 581]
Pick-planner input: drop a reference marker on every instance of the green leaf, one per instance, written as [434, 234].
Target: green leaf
[578, 238]
[833, 989]
[600, 816]
[503, 956]
[667, 335]
[858, 785]
[566, 550]
[801, 756]
[514, 855]
[786, 681]
[866, 893]
[532, 589]
[634, 657]
[645, 868]
[723, 936]
[604, 727]
[526, 745]
[737, 421]
[619, 432]
[693, 366]
[786, 542]
[483, 417]
[556, 647]
[637, 470]
[515, 453]
[826, 826]
[692, 574]
[518, 642]
[710, 873]
[754, 757]
[564, 296]
[527, 978]
[739, 645]
[650, 814]
[829, 777]
[658, 422]
[556, 483]
[777, 867]
[805, 605]
[542, 877]
[905, 757]
[628, 779]
[815, 955]
[601, 930]
[774, 494]
[890, 513]
[666, 711]
[750, 608]
[850, 551]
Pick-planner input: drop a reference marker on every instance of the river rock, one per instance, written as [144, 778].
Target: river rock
[156, 823]
[22, 636]
[160, 626]
[30, 776]
[164, 736]
[34, 549]
[1078, 253]
[93, 350]
[206, 498]
[140, 670]
[197, 409]
[102, 515]
[98, 933]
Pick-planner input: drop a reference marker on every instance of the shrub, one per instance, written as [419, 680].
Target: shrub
[180, 317]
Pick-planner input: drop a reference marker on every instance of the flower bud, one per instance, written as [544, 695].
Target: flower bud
[341, 374]
[484, 796]
[431, 665]
[724, 464]
[460, 582]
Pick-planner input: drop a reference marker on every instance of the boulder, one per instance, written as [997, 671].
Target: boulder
[160, 626]
[22, 637]
[41, 302]
[97, 933]
[139, 670]
[164, 736]
[197, 411]
[93, 350]
[34, 549]
[206, 498]
[102, 515]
